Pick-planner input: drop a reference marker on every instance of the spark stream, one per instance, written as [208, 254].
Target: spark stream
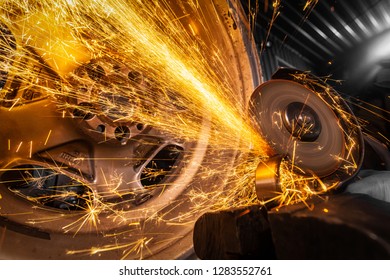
[138, 271]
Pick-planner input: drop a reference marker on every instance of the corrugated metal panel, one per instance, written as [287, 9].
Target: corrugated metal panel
[331, 29]
[275, 54]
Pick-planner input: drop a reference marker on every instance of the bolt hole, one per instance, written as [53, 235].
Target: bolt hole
[83, 111]
[140, 126]
[31, 94]
[116, 68]
[101, 128]
[122, 133]
[135, 76]
[95, 72]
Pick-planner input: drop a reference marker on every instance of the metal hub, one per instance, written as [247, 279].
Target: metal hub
[302, 121]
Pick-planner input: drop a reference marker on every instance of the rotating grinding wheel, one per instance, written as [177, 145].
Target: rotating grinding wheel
[308, 124]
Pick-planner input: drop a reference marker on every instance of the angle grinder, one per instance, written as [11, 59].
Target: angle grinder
[309, 125]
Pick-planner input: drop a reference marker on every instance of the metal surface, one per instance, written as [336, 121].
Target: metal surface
[302, 121]
[91, 144]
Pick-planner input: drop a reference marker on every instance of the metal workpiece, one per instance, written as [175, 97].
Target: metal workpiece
[92, 164]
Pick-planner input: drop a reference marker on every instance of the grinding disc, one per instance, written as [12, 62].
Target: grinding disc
[301, 125]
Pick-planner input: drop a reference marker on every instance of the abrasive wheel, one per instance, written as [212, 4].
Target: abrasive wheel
[307, 123]
[62, 158]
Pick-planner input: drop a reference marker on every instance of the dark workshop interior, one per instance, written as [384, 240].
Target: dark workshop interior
[197, 129]
[347, 41]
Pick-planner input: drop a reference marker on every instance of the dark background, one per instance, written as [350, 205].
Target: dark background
[348, 41]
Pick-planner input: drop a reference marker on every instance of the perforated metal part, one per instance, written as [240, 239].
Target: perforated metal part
[91, 154]
[104, 104]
